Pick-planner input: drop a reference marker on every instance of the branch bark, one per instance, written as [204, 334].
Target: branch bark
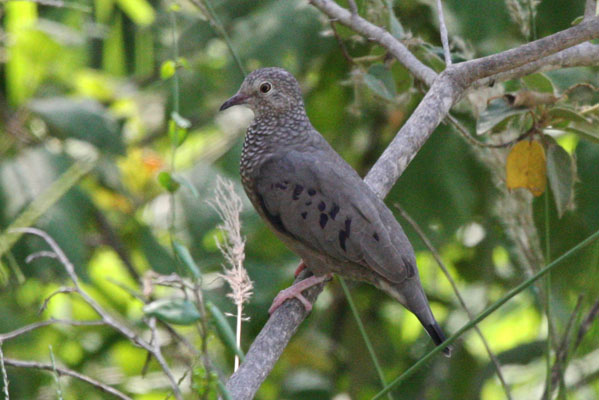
[445, 89]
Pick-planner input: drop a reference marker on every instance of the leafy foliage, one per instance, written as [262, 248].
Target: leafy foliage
[96, 80]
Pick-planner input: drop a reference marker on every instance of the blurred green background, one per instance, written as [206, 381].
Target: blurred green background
[99, 80]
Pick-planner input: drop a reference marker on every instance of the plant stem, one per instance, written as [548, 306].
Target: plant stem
[488, 311]
[548, 294]
[238, 333]
[369, 346]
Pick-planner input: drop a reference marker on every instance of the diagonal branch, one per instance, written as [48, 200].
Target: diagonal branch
[445, 90]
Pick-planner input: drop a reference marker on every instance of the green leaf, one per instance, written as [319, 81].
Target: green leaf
[498, 110]
[224, 330]
[180, 121]
[167, 69]
[185, 182]
[560, 172]
[587, 131]
[380, 80]
[176, 133]
[173, 310]
[43, 202]
[184, 255]
[168, 182]
[567, 114]
[539, 83]
[85, 120]
[395, 26]
[140, 11]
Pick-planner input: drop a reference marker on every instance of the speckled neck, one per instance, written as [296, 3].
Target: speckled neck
[268, 134]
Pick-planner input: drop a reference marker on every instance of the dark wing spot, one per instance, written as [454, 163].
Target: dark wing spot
[280, 186]
[348, 226]
[375, 236]
[311, 192]
[304, 215]
[274, 219]
[342, 238]
[309, 202]
[323, 220]
[286, 182]
[334, 211]
[297, 190]
[410, 271]
[321, 206]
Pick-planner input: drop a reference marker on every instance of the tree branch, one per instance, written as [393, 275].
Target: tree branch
[445, 90]
[68, 372]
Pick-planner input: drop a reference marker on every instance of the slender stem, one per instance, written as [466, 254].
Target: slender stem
[4, 374]
[219, 26]
[454, 286]
[533, 24]
[369, 346]
[548, 295]
[488, 311]
[238, 333]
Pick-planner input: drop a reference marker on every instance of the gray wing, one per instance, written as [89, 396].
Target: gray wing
[327, 207]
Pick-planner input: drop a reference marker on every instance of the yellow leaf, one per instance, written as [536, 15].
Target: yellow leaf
[526, 167]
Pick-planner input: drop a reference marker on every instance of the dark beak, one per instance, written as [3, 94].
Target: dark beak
[237, 99]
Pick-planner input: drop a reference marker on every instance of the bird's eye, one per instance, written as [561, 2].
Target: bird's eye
[265, 87]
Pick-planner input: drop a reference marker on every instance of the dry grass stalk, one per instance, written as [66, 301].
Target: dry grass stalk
[228, 205]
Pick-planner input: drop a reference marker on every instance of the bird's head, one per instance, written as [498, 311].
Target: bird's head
[268, 91]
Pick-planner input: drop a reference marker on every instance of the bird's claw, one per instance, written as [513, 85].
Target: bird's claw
[295, 292]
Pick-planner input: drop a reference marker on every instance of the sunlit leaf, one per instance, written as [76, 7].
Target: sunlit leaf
[173, 310]
[539, 83]
[560, 173]
[167, 69]
[140, 11]
[526, 167]
[176, 133]
[380, 80]
[168, 182]
[498, 110]
[586, 130]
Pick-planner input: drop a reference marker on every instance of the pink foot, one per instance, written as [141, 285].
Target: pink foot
[299, 269]
[295, 291]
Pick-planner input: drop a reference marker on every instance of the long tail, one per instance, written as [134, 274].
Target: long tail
[411, 295]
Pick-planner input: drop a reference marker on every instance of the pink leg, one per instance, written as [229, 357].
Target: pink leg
[300, 268]
[296, 290]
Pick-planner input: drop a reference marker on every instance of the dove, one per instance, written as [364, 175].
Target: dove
[317, 204]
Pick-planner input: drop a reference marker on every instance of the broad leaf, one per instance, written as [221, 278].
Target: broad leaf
[560, 172]
[168, 182]
[85, 120]
[539, 83]
[380, 80]
[184, 255]
[526, 167]
[173, 310]
[497, 112]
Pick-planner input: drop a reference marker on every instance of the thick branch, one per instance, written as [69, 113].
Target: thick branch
[444, 91]
[68, 372]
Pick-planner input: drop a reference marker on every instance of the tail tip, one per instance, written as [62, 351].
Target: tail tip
[435, 332]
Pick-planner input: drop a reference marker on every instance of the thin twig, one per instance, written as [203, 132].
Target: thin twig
[67, 372]
[106, 317]
[443, 30]
[55, 374]
[454, 286]
[342, 46]
[488, 311]
[362, 330]
[36, 325]
[4, 374]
